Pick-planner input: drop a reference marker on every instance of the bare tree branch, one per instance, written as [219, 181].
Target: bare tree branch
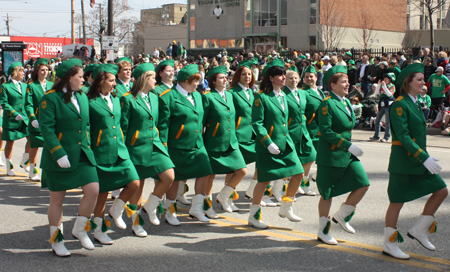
[331, 24]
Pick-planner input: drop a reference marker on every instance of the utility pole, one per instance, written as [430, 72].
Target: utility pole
[7, 22]
[84, 23]
[110, 17]
[73, 21]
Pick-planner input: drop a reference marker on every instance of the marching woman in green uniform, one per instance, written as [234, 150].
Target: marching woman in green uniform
[297, 101]
[276, 156]
[149, 156]
[67, 159]
[88, 79]
[180, 128]
[15, 119]
[339, 171]
[314, 98]
[114, 166]
[124, 84]
[35, 92]
[220, 137]
[241, 89]
[413, 173]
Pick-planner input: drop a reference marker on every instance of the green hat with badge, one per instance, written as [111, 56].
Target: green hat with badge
[91, 67]
[412, 68]
[351, 62]
[107, 67]
[127, 59]
[255, 60]
[349, 53]
[40, 61]
[391, 76]
[273, 63]
[14, 65]
[246, 63]
[333, 70]
[142, 69]
[310, 69]
[66, 65]
[188, 71]
[217, 70]
[293, 68]
[169, 62]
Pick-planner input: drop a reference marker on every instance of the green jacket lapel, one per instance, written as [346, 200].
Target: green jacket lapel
[340, 105]
[243, 95]
[312, 93]
[116, 106]
[81, 102]
[275, 101]
[414, 108]
[101, 101]
[143, 104]
[219, 98]
[290, 95]
[180, 98]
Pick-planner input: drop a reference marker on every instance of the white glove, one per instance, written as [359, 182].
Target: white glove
[35, 123]
[386, 90]
[274, 149]
[64, 162]
[355, 150]
[19, 117]
[432, 165]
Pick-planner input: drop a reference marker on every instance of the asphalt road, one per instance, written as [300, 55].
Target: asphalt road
[227, 244]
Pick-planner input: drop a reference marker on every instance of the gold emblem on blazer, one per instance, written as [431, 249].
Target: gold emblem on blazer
[324, 110]
[257, 102]
[399, 111]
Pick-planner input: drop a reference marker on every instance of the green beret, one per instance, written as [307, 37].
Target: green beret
[91, 67]
[142, 69]
[66, 65]
[412, 68]
[127, 59]
[187, 71]
[391, 76]
[333, 70]
[217, 70]
[246, 63]
[349, 53]
[293, 68]
[107, 67]
[310, 69]
[351, 62]
[14, 65]
[255, 60]
[41, 61]
[169, 62]
[276, 62]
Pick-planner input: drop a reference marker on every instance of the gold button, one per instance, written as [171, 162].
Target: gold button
[196, 122]
[284, 125]
[250, 115]
[115, 137]
[151, 128]
[250, 123]
[114, 126]
[112, 116]
[250, 107]
[229, 129]
[20, 104]
[196, 113]
[151, 118]
[79, 143]
[229, 120]
[196, 131]
[228, 110]
[284, 115]
[79, 131]
[351, 122]
[79, 119]
[285, 134]
[300, 123]
[151, 139]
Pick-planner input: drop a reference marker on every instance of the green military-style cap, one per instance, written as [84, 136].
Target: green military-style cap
[14, 65]
[127, 59]
[66, 65]
[351, 62]
[333, 70]
[255, 60]
[412, 68]
[349, 53]
[293, 68]
[107, 67]
[142, 69]
[276, 62]
[91, 67]
[246, 63]
[41, 61]
[391, 76]
[310, 69]
[217, 70]
[188, 71]
[169, 62]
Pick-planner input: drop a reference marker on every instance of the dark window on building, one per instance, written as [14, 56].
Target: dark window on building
[312, 16]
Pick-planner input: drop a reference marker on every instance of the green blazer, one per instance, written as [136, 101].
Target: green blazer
[270, 122]
[219, 118]
[121, 89]
[180, 123]
[32, 98]
[65, 130]
[160, 88]
[243, 107]
[13, 104]
[409, 137]
[85, 88]
[107, 139]
[311, 113]
[297, 120]
[139, 127]
[335, 124]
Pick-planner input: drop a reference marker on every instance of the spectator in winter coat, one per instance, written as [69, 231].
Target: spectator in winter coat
[442, 59]
[429, 69]
[169, 50]
[374, 70]
[352, 74]
[401, 60]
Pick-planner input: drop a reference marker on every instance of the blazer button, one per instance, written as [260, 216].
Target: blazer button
[79, 143]
[351, 122]
[285, 134]
[250, 115]
[196, 131]
[196, 113]
[250, 123]
[284, 125]
[196, 122]
[229, 120]
[151, 139]
[151, 118]
[112, 116]
[79, 131]
[114, 126]
[300, 123]
[228, 110]
[115, 137]
[284, 115]
[79, 119]
[229, 129]
[151, 128]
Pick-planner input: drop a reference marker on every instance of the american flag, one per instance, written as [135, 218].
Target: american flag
[92, 3]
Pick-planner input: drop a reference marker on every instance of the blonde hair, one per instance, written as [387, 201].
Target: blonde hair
[140, 82]
[289, 72]
[123, 64]
[442, 55]
[16, 70]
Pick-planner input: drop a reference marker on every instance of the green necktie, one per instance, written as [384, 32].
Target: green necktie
[280, 99]
[344, 102]
[104, 98]
[417, 104]
[189, 95]
[146, 99]
[249, 92]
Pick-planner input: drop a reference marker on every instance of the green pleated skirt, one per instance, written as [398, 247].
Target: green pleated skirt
[190, 163]
[65, 180]
[335, 181]
[36, 139]
[116, 175]
[248, 151]
[16, 133]
[272, 167]
[306, 153]
[160, 162]
[404, 188]
[226, 162]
